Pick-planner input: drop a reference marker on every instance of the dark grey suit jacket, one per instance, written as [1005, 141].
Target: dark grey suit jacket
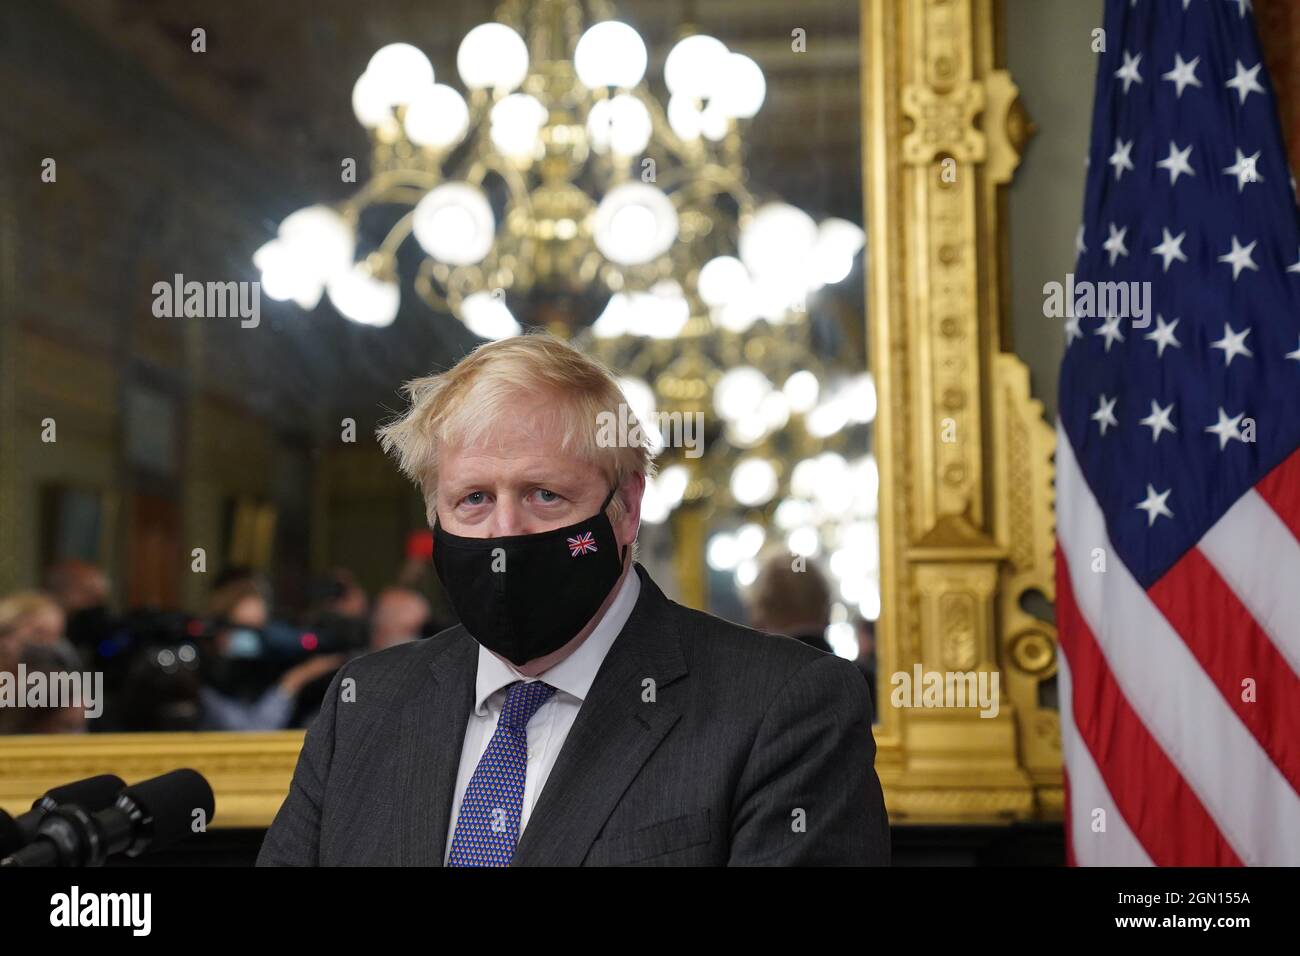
[699, 743]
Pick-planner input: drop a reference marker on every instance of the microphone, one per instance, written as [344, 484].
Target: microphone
[150, 815]
[91, 794]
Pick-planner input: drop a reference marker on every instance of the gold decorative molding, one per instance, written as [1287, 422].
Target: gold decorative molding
[964, 453]
[249, 772]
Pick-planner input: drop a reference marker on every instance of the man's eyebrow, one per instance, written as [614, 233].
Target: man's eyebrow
[553, 482]
[459, 488]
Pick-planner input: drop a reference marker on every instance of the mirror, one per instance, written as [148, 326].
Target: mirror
[222, 279]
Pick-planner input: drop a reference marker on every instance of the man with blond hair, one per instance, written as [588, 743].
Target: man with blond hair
[575, 716]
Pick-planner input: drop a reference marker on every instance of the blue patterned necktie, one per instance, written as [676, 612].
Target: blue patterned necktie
[488, 826]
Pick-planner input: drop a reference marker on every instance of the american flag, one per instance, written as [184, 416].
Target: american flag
[581, 544]
[1178, 476]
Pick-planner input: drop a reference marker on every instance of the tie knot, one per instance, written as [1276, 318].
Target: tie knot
[523, 698]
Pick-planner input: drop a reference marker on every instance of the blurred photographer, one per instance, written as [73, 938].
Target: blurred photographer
[231, 695]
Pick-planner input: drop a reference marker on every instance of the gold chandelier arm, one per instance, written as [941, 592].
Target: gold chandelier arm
[426, 290]
[397, 235]
[663, 130]
[705, 182]
[493, 162]
[383, 184]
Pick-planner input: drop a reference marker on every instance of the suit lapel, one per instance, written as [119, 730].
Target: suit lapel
[616, 731]
[431, 736]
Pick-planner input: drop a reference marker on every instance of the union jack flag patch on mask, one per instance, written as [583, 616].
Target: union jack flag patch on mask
[581, 544]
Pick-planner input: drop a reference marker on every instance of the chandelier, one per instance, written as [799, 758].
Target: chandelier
[556, 187]
[557, 174]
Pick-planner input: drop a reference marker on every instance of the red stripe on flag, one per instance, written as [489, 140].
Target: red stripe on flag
[1281, 489]
[1160, 808]
[1231, 647]
[1069, 830]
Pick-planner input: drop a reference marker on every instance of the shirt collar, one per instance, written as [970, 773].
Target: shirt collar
[573, 675]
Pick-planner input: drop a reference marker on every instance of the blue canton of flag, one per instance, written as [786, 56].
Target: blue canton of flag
[1188, 189]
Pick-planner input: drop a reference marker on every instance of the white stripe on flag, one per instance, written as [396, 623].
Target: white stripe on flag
[1258, 556]
[1254, 806]
[1088, 793]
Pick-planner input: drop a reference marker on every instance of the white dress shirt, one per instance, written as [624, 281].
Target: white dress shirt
[571, 678]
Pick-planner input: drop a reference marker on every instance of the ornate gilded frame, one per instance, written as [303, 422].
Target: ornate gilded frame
[964, 455]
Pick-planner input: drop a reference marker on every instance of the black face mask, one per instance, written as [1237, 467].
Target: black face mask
[523, 596]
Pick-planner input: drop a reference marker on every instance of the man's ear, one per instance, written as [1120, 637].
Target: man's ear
[630, 492]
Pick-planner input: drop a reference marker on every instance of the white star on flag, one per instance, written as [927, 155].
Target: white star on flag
[1154, 505]
[1158, 421]
[1171, 248]
[1115, 243]
[1176, 162]
[1104, 416]
[1239, 257]
[1129, 71]
[1245, 81]
[1183, 74]
[1244, 169]
[1072, 330]
[1163, 334]
[1226, 428]
[1109, 330]
[1121, 159]
[1232, 344]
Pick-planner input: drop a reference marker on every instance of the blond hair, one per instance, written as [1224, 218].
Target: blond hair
[461, 405]
[17, 609]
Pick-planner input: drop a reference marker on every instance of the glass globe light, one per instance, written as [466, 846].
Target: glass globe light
[369, 103]
[634, 224]
[363, 297]
[723, 279]
[615, 320]
[488, 316]
[321, 239]
[622, 124]
[654, 509]
[517, 122]
[492, 56]
[803, 541]
[610, 53]
[803, 479]
[685, 117]
[641, 402]
[694, 65]
[792, 513]
[437, 117]
[741, 93]
[801, 390]
[285, 275]
[838, 243]
[672, 482]
[753, 482]
[747, 572]
[749, 539]
[713, 122]
[722, 553]
[398, 71]
[777, 241]
[454, 224]
[740, 391]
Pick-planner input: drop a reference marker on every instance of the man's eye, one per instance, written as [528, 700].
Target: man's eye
[547, 496]
[473, 498]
